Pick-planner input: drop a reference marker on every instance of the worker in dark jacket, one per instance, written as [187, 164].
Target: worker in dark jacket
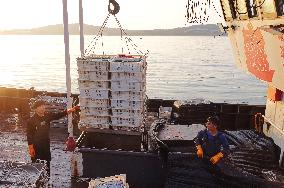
[38, 127]
[210, 143]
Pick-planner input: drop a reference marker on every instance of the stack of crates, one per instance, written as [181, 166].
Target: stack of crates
[117, 181]
[94, 91]
[112, 92]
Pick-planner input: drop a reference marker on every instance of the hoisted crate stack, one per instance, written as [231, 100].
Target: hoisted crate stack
[112, 92]
[128, 92]
[94, 91]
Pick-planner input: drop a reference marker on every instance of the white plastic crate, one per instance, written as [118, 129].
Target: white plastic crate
[127, 86]
[93, 76]
[130, 77]
[128, 58]
[91, 119]
[131, 67]
[93, 65]
[165, 112]
[94, 111]
[128, 95]
[94, 93]
[99, 103]
[125, 104]
[117, 181]
[83, 125]
[112, 84]
[99, 57]
[120, 121]
[83, 84]
[127, 113]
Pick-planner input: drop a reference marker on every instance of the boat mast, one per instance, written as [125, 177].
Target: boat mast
[81, 24]
[67, 63]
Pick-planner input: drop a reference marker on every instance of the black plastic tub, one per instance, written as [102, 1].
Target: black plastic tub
[142, 169]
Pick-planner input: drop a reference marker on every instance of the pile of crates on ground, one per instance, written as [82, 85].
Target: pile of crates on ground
[112, 92]
[20, 174]
[117, 181]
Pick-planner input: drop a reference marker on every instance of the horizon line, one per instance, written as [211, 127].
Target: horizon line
[7, 30]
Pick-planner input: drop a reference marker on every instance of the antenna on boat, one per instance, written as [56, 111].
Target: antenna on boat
[81, 26]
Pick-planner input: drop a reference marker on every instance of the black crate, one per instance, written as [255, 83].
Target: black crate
[228, 121]
[143, 170]
[230, 108]
[112, 139]
[243, 121]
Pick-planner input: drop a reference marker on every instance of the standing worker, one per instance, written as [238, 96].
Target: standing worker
[38, 128]
[210, 143]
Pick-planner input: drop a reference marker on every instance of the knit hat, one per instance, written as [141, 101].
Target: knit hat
[38, 103]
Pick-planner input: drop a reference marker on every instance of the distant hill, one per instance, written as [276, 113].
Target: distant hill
[195, 30]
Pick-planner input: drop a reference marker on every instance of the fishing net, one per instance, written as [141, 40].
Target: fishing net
[252, 163]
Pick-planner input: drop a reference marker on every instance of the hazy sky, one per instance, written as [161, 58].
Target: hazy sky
[134, 14]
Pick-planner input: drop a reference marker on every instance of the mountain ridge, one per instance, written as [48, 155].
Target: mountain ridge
[195, 30]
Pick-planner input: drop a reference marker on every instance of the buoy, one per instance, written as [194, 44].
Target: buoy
[70, 144]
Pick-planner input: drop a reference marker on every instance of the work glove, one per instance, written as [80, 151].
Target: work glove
[199, 151]
[216, 158]
[31, 150]
[73, 109]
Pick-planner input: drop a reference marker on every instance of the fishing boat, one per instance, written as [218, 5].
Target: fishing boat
[148, 155]
[158, 150]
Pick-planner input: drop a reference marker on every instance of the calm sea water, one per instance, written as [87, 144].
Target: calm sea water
[178, 67]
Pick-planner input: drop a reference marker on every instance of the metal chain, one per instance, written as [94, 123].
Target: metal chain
[198, 11]
[195, 16]
[129, 40]
[92, 46]
[217, 11]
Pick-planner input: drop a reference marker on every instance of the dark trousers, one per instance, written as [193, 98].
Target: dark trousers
[43, 153]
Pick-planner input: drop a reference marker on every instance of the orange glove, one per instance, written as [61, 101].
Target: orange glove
[216, 158]
[77, 107]
[31, 150]
[73, 109]
[199, 151]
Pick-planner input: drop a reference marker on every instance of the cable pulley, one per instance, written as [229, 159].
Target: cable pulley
[115, 5]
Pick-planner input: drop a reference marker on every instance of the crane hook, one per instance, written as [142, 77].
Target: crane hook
[115, 9]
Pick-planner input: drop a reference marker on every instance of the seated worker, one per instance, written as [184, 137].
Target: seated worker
[210, 143]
